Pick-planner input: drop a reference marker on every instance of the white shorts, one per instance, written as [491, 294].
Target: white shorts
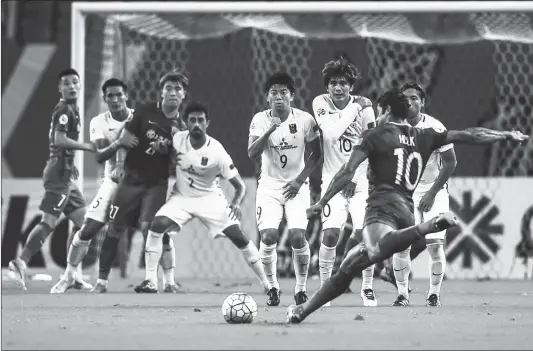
[212, 210]
[269, 205]
[336, 210]
[441, 205]
[98, 210]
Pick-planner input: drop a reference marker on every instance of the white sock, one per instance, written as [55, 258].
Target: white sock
[326, 259]
[437, 267]
[301, 259]
[101, 282]
[251, 256]
[368, 278]
[269, 258]
[152, 255]
[168, 262]
[401, 262]
[77, 251]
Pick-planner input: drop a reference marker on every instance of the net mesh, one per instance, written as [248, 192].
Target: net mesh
[392, 48]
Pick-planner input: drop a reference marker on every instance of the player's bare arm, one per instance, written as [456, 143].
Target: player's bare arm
[449, 162]
[479, 135]
[339, 182]
[291, 189]
[118, 172]
[63, 141]
[238, 198]
[256, 145]
[105, 150]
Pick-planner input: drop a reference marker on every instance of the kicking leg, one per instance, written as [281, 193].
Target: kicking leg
[381, 241]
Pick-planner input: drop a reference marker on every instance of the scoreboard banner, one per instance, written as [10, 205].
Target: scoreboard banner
[494, 213]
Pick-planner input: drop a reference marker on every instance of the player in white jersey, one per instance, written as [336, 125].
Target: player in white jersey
[279, 136]
[342, 121]
[430, 199]
[200, 161]
[104, 131]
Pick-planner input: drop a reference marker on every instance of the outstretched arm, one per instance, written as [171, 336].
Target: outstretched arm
[479, 135]
[344, 175]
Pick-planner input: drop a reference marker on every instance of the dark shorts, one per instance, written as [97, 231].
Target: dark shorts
[61, 194]
[136, 203]
[397, 214]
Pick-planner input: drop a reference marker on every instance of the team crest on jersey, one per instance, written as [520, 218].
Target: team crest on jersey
[204, 161]
[63, 119]
[292, 128]
[321, 112]
[150, 134]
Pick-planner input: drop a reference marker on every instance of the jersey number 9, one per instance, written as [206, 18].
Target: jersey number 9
[283, 160]
[403, 168]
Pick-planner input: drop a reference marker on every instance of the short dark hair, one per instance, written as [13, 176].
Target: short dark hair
[195, 106]
[114, 82]
[398, 102]
[174, 76]
[67, 72]
[340, 67]
[281, 78]
[415, 86]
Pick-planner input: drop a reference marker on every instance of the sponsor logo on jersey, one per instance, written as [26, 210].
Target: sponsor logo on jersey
[204, 161]
[192, 171]
[283, 145]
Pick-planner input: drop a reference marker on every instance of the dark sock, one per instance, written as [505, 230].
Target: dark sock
[330, 290]
[417, 248]
[35, 241]
[107, 256]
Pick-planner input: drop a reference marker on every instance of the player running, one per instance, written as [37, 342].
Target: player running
[342, 122]
[430, 198]
[61, 194]
[143, 173]
[397, 154]
[280, 136]
[200, 161]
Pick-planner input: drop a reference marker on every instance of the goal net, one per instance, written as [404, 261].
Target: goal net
[471, 63]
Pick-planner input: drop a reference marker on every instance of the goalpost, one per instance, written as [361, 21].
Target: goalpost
[139, 41]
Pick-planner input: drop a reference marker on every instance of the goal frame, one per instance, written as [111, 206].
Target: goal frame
[81, 9]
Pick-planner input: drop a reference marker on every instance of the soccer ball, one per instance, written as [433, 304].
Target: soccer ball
[239, 308]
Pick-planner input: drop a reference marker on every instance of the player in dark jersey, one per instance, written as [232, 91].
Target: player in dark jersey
[144, 171]
[61, 194]
[397, 155]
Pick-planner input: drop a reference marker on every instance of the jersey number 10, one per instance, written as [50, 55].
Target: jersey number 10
[403, 168]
